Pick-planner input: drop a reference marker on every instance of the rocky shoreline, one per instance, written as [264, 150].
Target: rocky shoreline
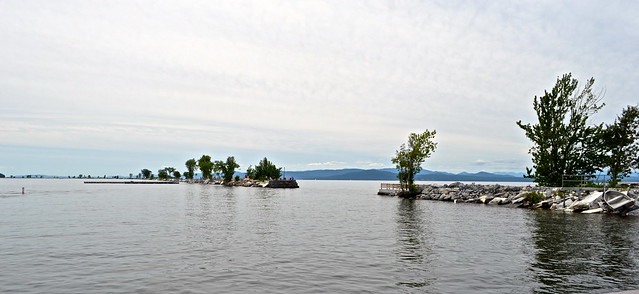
[281, 183]
[581, 200]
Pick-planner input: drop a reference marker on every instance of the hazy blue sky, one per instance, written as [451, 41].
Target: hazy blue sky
[111, 87]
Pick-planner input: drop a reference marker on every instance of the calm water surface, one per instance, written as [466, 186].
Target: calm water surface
[327, 237]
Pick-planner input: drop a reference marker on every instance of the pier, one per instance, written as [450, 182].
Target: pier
[131, 182]
[392, 189]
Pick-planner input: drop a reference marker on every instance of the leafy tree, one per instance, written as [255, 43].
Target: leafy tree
[146, 173]
[176, 174]
[250, 172]
[228, 169]
[409, 158]
[163, 174]
[170, 171]
[2, 175]
[563, 140]
[265, 170]
[622, 144]
[218, 168]
[206, 166]
[191, 165]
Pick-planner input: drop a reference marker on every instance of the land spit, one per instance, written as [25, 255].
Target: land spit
[281, 183]
[583, 200]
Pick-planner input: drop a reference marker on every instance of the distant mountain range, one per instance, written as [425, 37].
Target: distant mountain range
[390, 174]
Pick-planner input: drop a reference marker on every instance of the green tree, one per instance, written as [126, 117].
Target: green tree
[170, 170]
[228, 169]
[206, 166]
[265, 170]
[218, 168]
[562, 139]
[621, 140]
[191, 165]
[409, 158]
[163, 174]
[146, 173]
[250, 172]
[177, 175]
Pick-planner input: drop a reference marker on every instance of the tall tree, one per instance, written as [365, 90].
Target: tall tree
[622, 144]
[218, 168]
[409, 158]
[562, 138]
[169, 170]
[266, 170]
[206, 166]
[163, 173]
[228, 169]
[191, 165]
[146, 173]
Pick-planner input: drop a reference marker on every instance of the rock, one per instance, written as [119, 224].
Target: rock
[546, 204]
[498, 200]
[595, 210]
[587, 203]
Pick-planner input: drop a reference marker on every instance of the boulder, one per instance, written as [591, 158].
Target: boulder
[587, 203]
[595, 210]
[546, 204]
[498, 200]
[485, 199]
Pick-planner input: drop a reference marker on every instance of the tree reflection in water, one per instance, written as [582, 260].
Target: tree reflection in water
[584, 253]
[414, 252]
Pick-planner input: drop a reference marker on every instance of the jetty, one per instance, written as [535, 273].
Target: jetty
[131, 182]
[283, 183]
[568, 199]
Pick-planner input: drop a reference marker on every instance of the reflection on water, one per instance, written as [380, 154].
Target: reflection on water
[584, 253]
[326, 237]
[414, 251]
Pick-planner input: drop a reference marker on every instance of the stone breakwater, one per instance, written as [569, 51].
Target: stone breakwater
[280, 183]
[566, 199]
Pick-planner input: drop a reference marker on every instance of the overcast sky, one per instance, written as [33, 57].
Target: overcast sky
[111, 87]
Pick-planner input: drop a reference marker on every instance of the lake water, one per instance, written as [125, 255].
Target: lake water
[64, 236]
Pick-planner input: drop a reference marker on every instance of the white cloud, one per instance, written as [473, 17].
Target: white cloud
[324, 164]
[314, 81]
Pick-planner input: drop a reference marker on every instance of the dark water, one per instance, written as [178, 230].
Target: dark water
[326, 237]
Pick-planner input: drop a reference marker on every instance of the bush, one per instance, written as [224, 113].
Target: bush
[534, 197]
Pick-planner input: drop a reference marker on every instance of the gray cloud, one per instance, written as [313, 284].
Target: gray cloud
[311, 81]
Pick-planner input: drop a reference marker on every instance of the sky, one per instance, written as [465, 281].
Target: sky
[112, 87]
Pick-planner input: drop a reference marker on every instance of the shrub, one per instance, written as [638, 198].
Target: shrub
[534, 197]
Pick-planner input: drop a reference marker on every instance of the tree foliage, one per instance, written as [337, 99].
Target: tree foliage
[146, 173]
[163, 174]
[622, 144]
[563, 141]
[191, 165]
[265, 170]
[218, 168]
[206, 166]
[228, 169]
[409, 158]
